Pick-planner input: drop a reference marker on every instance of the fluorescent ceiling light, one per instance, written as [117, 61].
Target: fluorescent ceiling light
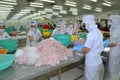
[70, 4]
[57, 6]
[55, 13]
[3, 5]
[4, 8]
[25, 10]
[5, 11]
[30, 8]
[63, 12]
[10, 3]
[36, 6]
[106, 4]
[73, 9]
[48, 10]
[94, 0]
[42, 12]
[98, 9]
[10, 0]
[35, 3]
[87, 7]
[50, 1]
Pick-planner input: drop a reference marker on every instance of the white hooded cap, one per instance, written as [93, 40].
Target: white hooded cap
[90, 22]
[88, 19]
[115, 21]
[2, 24]
[32, 23]
[59, 24]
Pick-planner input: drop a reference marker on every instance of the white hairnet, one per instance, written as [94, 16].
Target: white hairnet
[115, 21]
[89, 22]
[33, 23]
[2, 24]
[59, 24]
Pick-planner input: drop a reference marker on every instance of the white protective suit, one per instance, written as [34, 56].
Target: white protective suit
[94, 69]
[114, 56]
[36, 34]
[4, 35]
[59, 29]
[70, 28]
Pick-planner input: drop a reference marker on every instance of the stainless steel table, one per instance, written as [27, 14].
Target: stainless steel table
[24, 72]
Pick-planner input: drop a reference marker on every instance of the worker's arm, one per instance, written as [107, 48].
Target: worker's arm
[31, 38]
[112, 44]
[85, 50]
[88, 44]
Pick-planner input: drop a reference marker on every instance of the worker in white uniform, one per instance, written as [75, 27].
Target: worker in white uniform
[92, 49]
[59, 29]
[3, 35]
[114, 56]
[33, 35]
[70, 28]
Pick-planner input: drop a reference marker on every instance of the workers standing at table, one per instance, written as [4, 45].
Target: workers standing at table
[33, 35]
[3, 35]
[92, 49]
[114, 56]
[70, 28]
[59, 29]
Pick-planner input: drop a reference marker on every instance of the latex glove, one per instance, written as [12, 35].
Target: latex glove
[32, 43]
[78, 48]
[106, 43]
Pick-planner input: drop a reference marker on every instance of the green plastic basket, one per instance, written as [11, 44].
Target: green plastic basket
[6, 60]
[10, 44]
[65, 39]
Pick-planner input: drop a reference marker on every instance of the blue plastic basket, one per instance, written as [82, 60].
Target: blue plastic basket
[6, 60]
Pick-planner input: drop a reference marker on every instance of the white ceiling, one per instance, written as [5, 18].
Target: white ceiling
[40, 9]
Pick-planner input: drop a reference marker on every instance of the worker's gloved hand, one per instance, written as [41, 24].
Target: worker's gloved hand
[106, 43]
[32, 43]
[78, 48]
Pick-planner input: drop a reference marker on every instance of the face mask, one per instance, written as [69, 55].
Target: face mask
[33, 29]
[71, 26]
[2, 30]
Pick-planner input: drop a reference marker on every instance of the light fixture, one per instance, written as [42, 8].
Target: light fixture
[36, 6]
[55, 13]
[58, 7]
[87, 7]
[71, 2]
[10, 0]
[35, 3]
[50, 1]
[48, 10]
[10, 3]
[6, 6]
[4, 11]
[73, 9]
[94, 0]
[106, 4]
[98, 9]
[63, 12]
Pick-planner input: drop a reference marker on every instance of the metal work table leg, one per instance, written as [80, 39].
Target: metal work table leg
[59, 74]
[79, 77]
